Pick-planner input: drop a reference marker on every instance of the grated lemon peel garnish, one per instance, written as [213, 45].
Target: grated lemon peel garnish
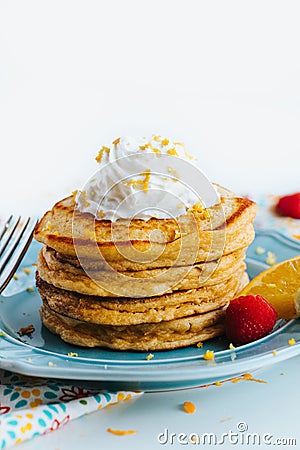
[271, 258]
[121, 432]
[172, 152]
[190, 157]
[156, 138]
[101, 153]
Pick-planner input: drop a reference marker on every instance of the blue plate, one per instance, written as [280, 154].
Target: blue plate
[46, 355]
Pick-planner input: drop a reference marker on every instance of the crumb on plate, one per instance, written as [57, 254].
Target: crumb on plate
[209, 355]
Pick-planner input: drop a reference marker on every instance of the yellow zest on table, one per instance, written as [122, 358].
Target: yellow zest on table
[174, 173]
[189, 407]
[83, 195]
[48, 226]
[144, 183]
[121, 432]
[156, 150]
[116, 141]
[145, 146]
[244, 377]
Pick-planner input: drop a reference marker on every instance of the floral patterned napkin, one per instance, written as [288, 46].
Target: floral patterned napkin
[35, 406]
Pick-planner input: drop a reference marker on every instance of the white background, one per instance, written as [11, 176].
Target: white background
[221, 76]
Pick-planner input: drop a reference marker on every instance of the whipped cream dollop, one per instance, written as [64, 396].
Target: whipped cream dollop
[141, 178]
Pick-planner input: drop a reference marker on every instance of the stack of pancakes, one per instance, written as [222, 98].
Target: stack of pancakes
[142, 285]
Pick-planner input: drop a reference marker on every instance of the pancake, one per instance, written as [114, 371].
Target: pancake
[142, 285]
[70, 276]
[145, 337]
[196, 236]
[132, 311]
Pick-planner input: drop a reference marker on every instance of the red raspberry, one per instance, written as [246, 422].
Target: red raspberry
[289, 205]
[249, 318]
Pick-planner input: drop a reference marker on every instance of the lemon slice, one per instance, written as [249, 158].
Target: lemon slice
[280, 286]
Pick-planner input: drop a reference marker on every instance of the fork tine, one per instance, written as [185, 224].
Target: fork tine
[14, 239]
[5, 227]
[13, 258]
[9, 234]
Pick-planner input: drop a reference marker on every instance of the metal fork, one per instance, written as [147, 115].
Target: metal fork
[15, 236]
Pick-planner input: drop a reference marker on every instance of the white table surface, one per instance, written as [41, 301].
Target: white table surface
[271, 408]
